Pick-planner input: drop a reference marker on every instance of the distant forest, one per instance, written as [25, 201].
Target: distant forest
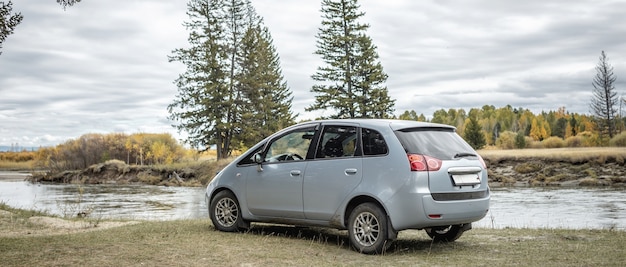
[501, 126]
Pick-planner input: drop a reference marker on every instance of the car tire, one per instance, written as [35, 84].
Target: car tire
[448, 233]
[225, 212]
[367, 229]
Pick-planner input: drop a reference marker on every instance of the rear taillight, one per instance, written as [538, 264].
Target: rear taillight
[420, 163]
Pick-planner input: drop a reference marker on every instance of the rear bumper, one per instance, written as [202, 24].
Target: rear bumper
[455, 212]
[423, 211]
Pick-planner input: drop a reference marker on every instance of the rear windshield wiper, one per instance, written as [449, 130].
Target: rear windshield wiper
[464, 154]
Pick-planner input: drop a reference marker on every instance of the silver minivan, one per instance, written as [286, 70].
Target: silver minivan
[372, 177]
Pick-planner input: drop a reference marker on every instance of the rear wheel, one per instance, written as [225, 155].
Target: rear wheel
[367, 229]
[225, 212]
[448, 233]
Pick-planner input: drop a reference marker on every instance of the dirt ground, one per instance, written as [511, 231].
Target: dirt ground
[12, 225]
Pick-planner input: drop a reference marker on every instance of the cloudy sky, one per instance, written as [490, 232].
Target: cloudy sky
[101, 66]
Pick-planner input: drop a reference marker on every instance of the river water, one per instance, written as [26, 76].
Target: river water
[574, 208]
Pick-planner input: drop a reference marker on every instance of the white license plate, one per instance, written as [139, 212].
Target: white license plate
[465, 179]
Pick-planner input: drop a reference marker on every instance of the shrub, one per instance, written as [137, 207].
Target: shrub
[589, 139]
[574, 141]
[618, 140]
[116, 164]
[533, 144]
[553, 142]
[529, 141]
[528, 167]
[506, 140]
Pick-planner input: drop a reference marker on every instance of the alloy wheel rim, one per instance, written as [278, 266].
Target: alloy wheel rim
[366, 229]
[226, 212]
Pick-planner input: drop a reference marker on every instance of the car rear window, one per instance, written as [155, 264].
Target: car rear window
[441, 143]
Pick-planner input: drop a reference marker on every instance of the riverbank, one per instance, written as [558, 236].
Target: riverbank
[565, 167]
[196, 243]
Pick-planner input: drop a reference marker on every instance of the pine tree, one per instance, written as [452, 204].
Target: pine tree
[231, 67]
[604, 99]
[8, 21]
[66, 3]
[352, 80]
[267, 98]
[474, 134]
[202, 93]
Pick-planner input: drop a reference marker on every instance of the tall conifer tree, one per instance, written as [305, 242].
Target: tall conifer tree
[352, 80]
[267, 99]
[604, 100]
[215, 92]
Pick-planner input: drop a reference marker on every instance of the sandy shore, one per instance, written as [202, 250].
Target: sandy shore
[13, 176]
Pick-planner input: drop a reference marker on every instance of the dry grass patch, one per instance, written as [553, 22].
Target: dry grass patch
[196, 243]
[45, 241]
[571, 155]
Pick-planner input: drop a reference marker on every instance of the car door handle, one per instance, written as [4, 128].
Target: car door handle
[351, 171]
[295, 173]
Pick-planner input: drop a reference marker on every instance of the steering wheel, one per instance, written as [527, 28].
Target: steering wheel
[293, 156]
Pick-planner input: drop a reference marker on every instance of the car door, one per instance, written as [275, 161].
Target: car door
[333, 173]
[274, 189]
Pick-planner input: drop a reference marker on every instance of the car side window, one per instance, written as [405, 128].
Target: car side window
[373, 143]
[291, 146]
[337, 141]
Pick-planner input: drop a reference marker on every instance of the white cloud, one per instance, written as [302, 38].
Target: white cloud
[101, 66]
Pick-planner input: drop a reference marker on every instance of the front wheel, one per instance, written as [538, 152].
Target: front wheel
[225, 212]
[448, 233]
[367, 229]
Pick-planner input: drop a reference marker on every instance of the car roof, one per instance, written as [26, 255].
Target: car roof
[392, 123]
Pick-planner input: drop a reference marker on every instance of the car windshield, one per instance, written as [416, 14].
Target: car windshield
[441, 143]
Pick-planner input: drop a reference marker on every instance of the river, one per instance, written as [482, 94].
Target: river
[537, 207]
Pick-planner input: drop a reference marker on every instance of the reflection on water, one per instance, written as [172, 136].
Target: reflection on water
[107, 201]
[597, 208]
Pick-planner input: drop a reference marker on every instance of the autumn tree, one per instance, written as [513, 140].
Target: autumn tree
[539, 129]
[352, 81]
[604, 100]
[232, 83]
[8, 21]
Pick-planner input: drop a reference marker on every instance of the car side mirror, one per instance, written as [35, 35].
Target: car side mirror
[258, 159]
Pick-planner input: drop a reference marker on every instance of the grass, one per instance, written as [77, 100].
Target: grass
[572, 155]
[12, 165]
[196, 243]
